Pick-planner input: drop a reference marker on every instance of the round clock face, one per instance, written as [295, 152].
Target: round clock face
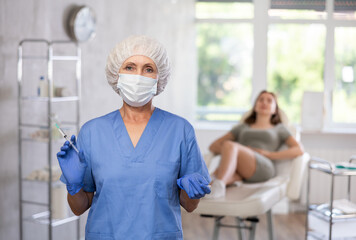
[83, 24]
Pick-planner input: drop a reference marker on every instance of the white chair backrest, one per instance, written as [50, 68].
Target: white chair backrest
[284, 120]
[282, 114]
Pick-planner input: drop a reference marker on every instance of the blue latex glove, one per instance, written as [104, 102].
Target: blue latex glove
[195, 185]
[73, 166]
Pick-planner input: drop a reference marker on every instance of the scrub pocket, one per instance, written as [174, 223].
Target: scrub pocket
[166, 179]
[98, 236]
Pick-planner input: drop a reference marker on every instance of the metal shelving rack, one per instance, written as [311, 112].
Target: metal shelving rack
[328, 214]
[46, 216]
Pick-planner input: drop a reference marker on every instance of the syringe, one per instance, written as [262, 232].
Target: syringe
[64, 135]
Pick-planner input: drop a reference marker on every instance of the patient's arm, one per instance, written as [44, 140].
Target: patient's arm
[294, 150]
[216, 146]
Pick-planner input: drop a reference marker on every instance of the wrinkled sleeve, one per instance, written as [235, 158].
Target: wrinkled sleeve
[236, 131]
[192, 160]
[283, 134]
[83, 143]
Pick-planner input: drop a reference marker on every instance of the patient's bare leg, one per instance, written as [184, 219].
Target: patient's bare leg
[234, 178]
[237, 161]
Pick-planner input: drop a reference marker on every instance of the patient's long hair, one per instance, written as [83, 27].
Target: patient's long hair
[275, 118]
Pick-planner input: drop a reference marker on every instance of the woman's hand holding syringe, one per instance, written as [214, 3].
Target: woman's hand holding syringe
[73, 165]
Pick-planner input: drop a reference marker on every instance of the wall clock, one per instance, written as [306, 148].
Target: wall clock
[82, 24]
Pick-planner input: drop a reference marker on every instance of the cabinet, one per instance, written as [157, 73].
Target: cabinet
[42, 197]
[335, 219]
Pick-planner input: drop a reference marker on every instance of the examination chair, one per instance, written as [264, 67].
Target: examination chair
[248, 201]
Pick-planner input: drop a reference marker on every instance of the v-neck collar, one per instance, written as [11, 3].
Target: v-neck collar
[125, 144]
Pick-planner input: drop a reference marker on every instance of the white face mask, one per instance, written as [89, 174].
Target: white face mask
[136, 90]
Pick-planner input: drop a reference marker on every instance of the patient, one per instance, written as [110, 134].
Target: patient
[247, 150]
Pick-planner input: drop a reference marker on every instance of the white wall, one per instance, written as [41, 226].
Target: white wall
[171, 22]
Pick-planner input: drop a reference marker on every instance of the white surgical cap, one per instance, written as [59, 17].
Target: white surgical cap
[138, 45]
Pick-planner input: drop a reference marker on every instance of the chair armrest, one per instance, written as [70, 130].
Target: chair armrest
[212, 161]
[298, 169]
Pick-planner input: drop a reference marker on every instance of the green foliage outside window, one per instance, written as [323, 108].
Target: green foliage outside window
[295, 64]
[344, 95]
[225, 68]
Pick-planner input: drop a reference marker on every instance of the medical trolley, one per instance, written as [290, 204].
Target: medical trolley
[335, 219]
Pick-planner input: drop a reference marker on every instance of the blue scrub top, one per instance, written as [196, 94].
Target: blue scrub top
[136, 193]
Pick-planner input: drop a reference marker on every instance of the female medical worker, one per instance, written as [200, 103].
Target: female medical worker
[138, 164]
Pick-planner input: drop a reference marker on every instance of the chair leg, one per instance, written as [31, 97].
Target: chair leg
[216, 228]
[240, 225]
[270, 225]
[253, 230]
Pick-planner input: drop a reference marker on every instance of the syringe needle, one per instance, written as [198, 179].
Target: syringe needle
[64, 135]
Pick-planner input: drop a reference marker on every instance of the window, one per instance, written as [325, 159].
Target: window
[224, 59]
[225, 68]
[304, 45]
[225, 44]
[344, 94]
[295, 63]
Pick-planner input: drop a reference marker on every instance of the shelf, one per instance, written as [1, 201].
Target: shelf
[43, 218]
[340, 229]
[335, 217]
[28, 125]
[35, 58]
[54, 99]
[35, 203]
[41, 140]
[25, 125]
[315, 235]
[335, 171]
[54, 183]
[55, 58]
[342, 209]
[66, 58]
[68, 123]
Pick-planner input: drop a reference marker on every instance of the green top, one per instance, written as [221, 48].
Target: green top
[268, 139]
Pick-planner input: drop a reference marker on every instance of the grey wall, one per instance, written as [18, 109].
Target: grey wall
[171, 22]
